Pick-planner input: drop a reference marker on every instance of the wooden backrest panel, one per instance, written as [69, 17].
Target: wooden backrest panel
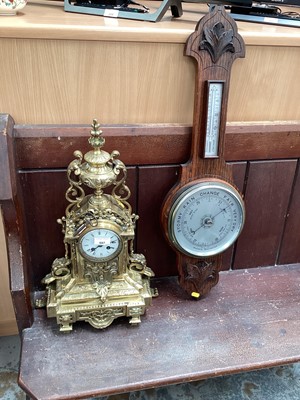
[52, 146]
[33, 185]
[289, 251]
[15, 231]
[268, 192]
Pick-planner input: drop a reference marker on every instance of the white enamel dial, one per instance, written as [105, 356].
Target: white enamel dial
[100, 244]
[206, 218]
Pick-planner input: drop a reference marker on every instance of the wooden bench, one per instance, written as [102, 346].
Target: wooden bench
[250, 320]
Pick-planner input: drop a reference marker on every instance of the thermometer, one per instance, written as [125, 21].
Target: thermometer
[214, 106]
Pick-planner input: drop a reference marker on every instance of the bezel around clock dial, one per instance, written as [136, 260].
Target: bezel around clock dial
[99, 237]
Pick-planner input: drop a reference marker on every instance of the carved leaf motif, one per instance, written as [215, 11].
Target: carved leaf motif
[201, 274]
[102, 291]
[217, 41]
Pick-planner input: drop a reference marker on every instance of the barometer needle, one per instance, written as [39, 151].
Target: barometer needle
[212, 218]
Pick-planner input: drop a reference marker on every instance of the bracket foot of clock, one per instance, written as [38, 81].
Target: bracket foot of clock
[135, 320]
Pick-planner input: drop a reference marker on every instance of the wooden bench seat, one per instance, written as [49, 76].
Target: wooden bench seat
[250, 320]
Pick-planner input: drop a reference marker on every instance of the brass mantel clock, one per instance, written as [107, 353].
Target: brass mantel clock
[204, 213]
[100, 277]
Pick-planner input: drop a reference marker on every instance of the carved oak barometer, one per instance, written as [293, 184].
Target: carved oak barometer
[204, 213]
[100, 277]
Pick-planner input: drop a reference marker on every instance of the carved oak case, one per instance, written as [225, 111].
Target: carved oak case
[203, 214]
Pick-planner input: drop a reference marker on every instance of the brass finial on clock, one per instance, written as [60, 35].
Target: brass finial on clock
[99, 169]
[96, 140]
[100, 278]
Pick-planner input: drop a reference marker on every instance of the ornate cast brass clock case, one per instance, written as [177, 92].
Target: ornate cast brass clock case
[100, 278]
[203, 214]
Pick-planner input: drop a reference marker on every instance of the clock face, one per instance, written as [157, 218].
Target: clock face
[206, 218]
[100, 244]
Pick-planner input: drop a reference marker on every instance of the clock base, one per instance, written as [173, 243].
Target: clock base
[99, 305]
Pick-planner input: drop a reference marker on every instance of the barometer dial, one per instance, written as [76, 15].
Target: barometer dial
[206, 218]
[100, 244]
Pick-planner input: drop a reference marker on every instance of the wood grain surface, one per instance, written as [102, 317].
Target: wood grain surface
[249, 321]
[68, 68]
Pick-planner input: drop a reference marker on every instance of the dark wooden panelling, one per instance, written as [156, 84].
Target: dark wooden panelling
[52, 146]
[154, 184]
[44, 202]
[268, 189]
[262, 142]
[267, 196]
[239, 173]
[290, 246]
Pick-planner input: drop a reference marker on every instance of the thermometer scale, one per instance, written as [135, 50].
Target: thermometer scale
[214, 108]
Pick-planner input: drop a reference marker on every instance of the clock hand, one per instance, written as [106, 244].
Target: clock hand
[95, 248]
[208, 221]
